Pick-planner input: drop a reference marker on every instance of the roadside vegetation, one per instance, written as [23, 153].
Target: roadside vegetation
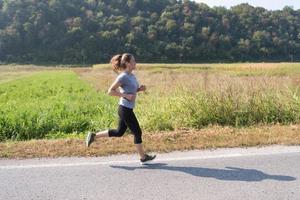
[260, 102]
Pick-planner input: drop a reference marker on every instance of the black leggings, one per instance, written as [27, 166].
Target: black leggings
[127, 119]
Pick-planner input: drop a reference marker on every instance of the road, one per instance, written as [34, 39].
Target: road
[239, 173]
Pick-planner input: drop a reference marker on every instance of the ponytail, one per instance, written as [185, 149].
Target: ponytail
[118, 61]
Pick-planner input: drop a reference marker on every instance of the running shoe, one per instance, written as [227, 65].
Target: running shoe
[89, 138]
[147, 158]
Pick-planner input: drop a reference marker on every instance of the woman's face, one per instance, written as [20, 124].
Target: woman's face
[132, 64]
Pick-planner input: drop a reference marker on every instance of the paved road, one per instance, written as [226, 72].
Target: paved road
[252, 173]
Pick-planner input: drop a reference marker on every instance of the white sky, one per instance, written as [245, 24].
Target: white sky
[268, 4]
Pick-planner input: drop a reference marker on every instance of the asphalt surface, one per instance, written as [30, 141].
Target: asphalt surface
[252, 173]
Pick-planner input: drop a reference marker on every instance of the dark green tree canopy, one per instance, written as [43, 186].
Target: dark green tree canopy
[91, 31]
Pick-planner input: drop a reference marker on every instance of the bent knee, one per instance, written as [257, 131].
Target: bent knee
[116, 133]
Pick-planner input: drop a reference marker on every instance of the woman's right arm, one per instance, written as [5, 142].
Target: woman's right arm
[113, 91]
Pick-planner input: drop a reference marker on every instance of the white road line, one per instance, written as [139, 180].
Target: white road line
[200, 157]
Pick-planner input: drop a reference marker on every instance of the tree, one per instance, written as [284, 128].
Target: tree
[88, 31]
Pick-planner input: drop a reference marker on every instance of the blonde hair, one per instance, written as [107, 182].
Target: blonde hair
[118, 61]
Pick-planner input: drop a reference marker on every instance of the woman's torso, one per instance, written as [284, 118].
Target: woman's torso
[129, 85]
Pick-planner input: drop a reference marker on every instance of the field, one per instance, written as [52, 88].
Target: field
[63, 103]
[199, 95]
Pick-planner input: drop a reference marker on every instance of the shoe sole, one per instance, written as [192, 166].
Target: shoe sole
[148, 162]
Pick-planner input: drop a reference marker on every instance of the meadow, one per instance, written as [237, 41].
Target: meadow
[197, 95]
[50, 104]
[66, 102]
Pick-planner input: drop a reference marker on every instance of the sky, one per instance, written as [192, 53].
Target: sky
[268, 4]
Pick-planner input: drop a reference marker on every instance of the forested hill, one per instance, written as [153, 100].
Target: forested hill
[91, 31]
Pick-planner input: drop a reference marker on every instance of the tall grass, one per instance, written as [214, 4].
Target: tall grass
[184, 99]
[55, 103]
[198, 109]
[50, 103]
[177, 100]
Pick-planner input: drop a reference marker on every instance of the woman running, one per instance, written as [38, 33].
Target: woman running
[124, 64]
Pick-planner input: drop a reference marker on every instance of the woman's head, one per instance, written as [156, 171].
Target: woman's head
[121, 62]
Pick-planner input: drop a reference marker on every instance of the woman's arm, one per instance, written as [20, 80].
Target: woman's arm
[112, 91]
[141, 88]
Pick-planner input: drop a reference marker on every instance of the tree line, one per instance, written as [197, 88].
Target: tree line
[91, 31]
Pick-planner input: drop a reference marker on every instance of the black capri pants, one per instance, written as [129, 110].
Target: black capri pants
[128, 119]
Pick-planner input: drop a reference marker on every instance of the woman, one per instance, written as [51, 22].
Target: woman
[124, 64]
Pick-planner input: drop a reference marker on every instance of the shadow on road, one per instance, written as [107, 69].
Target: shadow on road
[228, 174]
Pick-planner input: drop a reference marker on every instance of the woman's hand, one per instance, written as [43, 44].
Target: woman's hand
[142, 88]
[130, 97]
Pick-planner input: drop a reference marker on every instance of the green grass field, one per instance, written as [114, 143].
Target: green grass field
[49, 104]
[61, 103]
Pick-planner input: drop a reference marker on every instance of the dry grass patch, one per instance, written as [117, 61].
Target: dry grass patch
[207, 138]
[170, 81]
[244, 69]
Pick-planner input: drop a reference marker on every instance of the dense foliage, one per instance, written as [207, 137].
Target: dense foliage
[91, 31]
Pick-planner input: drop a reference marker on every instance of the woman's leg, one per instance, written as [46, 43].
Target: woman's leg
[140, 150]
[132, 123]
[119, 132]
[101, 134]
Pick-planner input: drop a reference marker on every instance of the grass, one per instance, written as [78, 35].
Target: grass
[187, 106]
[49, 103]
[163, 141]
[12, 72]
[195, 100]
[240, 69]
